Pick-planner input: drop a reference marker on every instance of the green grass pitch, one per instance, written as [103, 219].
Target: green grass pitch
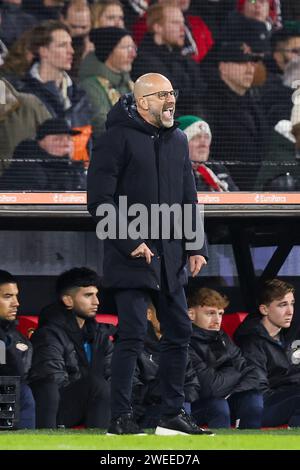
[277, 439]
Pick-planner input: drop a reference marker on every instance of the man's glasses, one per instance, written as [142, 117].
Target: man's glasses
[163, 95]
[129, 48]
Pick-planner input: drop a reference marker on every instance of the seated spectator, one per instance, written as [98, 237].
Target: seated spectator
[161, 52]
[107, 13]
[18, 349]
[44, 10]
[48, 79]
[107, 76]
[146, 388]
[71, 357]
[134, 9]
[198, 38]
[272, 347]
[255, 33]
[45, 164]
[14, 21]
[20, 117]
[76, 15]
[275, 96]
[211, 177]
[18, 61]
[228, 385]
[281, 169]
[235, 117]
[212, 12]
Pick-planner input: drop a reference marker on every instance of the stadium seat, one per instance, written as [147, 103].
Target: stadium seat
[231, 321]
[27, 324]
[107, 318]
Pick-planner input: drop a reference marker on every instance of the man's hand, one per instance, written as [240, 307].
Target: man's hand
[196, 263]
[142, 251]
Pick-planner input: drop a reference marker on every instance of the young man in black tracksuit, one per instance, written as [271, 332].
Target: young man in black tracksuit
[228, 384]
[272, 347]
[71, 357]
[18, 349]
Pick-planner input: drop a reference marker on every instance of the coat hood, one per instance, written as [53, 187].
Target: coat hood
[57, 314]
[252, 326]
[124, 113]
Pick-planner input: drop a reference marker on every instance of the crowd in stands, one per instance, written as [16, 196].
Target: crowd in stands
[248, 382]
[234, 62]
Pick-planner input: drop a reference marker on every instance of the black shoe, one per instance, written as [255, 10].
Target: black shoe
[124, 424]
[180, 424]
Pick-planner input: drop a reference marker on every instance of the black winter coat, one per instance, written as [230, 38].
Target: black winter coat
[149, 166]
[18, 351]
[58, 348]
[277, 362]
[219, 365]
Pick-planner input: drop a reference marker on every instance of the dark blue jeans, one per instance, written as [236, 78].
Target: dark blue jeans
[175, 324]
[282, 407]
[246, 407]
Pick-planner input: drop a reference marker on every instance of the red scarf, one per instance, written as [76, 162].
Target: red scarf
[202, 170]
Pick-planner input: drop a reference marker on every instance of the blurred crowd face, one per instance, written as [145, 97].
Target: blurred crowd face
[257, 9]
[171, 28]
[208, 318]
[238, 76]
[289, 50]
[79, 21]
[123, 55]
[184, 5]
[8, 301]
[112, 16]
[53, 3]
[59, 53]
[60, 145]
[199, 147]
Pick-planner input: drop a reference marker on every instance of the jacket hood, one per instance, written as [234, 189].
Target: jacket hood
[124, 113]
[12, 100]
[207, 336]
[57, 314]
[251, 326]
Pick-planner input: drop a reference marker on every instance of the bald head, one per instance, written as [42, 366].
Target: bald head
[153, 105]
[150, 83]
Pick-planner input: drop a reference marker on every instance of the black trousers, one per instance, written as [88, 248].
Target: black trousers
[176, 328]
[86, 401]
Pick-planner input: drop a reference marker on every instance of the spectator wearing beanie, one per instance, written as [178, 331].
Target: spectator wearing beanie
[105, 74]
[209, 176]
